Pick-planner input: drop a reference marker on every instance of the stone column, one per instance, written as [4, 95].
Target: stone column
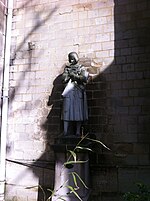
[63, 174]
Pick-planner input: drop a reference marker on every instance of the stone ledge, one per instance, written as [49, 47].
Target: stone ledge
[65, 143]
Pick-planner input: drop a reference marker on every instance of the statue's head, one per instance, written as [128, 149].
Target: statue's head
[73, 57]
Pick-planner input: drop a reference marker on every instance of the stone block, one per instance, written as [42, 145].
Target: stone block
[101, 20]
[143, 159]
[141, 83]
[112, 77]
[19, 128]
[96, 46]
[108, 46]
[141, 148]
[126, 179]
[38, 145]
[127, 84]
[121, 128]
[23, 145]
[128, 67]
[134, 110]
[125, 51]
[122, 137]
[133, 92]
[103, 37]
[93, 13]
[108, 61]
[108, 28]
[134, 75]
[121, 76]
[105, 12]
[27, 97]
[144, 136]
[111, 53]
[128, 101]
[104, 179]
[145, 109]
[83, 15]
[132, 128]
[120, 60]
[141, 101]
[110, 196]
[102, 54]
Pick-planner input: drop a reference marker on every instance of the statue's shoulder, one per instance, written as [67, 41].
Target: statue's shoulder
[67, 67]
[79, 66]
[82, 67]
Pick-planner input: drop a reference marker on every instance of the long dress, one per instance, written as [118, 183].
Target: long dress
[74, 95]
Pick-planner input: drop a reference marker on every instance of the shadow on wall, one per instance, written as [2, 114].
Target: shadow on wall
[127, 105]
[19, 53]
[117, 97]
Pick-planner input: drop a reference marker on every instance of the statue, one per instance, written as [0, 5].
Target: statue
[75, 109]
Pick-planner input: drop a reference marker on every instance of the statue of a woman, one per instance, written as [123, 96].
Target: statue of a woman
[75, 109]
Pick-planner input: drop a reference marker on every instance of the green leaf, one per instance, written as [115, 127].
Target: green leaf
[44, 194]
[75, 180]
[83, 148]
[73, 154]
[74, 162]
[80, 180]
[73, 191]
[61, 198]
[98, 142]
[52, 191]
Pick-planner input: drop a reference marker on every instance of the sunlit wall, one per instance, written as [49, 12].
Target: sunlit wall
[106, 35]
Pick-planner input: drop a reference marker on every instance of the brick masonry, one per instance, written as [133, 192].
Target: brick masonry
[114, 34]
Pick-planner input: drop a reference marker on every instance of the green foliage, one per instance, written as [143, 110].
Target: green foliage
[97, 141]
[142, 194]
[75, 176]
[73, 190]
[70, 162]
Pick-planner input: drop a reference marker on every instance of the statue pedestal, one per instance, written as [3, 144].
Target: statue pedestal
[66, 175]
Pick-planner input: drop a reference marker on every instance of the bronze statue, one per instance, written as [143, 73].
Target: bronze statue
[75, 109]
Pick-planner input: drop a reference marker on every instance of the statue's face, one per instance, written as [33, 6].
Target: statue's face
[73, 58]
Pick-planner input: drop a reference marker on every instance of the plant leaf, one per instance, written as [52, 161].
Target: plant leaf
[73, 154]
[61, 198]
[74, 179]
[73, 191]
[98, 142]
[52, 191]
[80, 180]
[74, 162]
[83, 148]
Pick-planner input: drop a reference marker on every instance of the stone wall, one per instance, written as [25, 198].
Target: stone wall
[113, 35]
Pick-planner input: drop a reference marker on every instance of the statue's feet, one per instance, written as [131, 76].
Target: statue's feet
[61, 135]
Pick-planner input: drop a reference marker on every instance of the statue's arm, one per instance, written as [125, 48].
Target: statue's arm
[84, 75]
[66, 75]
[81, 77]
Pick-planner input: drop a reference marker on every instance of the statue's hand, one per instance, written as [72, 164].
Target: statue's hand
[66, 80]
[74, 77]
[71, 74]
